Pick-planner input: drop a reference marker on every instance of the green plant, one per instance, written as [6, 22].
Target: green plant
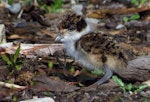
[80, 84]
[14, 98]
[138, 2]
[7, 1]
[65, 65]
[128, 87]
[12, 60]
[144, 99]
[72, 70]
[57, 5]
[97, 72]
[45, 7]
[133, 17]
[10, 2]
[50, 65]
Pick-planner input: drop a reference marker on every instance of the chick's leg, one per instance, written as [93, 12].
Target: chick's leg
[107, 76]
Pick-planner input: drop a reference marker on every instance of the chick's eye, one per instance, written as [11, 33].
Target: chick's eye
[71, 28]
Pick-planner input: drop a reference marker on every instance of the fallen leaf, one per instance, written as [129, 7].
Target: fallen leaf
[44, 83]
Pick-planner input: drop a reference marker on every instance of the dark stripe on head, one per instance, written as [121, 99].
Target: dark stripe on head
[72, 21]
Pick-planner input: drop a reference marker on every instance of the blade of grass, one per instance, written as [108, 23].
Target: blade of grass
[6, 59]
[16, 55]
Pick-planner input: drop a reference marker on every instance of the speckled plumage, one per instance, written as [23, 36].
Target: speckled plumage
[103, 49]
[93, 50]
[71, 21]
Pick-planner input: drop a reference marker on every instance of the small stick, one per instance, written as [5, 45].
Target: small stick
[8, 85]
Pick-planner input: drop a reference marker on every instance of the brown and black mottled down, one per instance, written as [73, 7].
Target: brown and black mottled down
[72, 21]
[104, 48]
[93, 50]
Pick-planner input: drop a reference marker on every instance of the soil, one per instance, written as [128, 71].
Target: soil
[59, 82]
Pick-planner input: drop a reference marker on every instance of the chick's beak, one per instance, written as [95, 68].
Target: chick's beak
[59, 37]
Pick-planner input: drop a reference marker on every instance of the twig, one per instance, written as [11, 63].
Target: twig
[8, 85]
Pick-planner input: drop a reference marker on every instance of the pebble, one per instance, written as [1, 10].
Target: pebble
[119, 26]
[77, 9]
[45, 99]
[14, 8]
[87, 95]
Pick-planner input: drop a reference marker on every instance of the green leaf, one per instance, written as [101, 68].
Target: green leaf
[141, 87]
[144, 99]
[11, 60]
[14, 98]
[6, 59]
[97, 72]
[142, 1]
[135, 2]
[72, 69]
[10, 2]
[18, 67]
[80, 84]
[118, 81]
[27, 2]
[129, 87]
[57, 5]
[50, 65]
[45, 7]
[125, 19]
[135, 17]
[16, 55]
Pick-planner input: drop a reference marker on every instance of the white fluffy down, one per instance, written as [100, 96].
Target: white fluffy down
[69, 41]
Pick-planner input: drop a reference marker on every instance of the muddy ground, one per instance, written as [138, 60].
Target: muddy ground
[58, 81]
